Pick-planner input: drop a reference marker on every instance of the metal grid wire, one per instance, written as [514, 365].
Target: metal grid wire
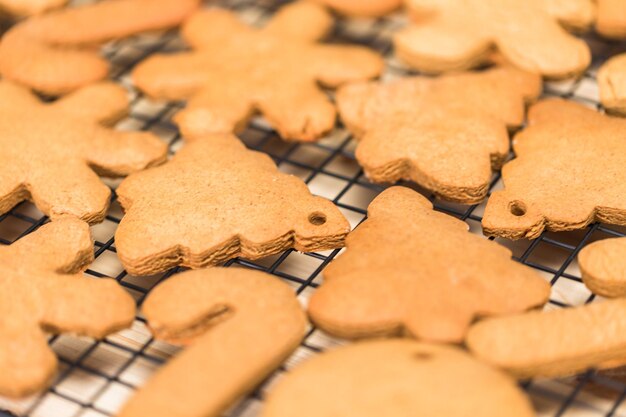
[95, 378]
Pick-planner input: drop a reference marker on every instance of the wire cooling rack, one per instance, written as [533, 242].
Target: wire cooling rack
[95, 378]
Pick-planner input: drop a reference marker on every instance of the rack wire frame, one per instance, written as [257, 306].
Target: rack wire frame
[329, 168]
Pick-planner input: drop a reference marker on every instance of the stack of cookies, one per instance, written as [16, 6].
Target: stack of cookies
[435, 319]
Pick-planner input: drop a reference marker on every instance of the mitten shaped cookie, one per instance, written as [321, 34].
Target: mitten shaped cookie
[570, 171]
[603, 267]
[396, 378]
[612, 83]
[42, 289]
[611, 18]
[446, 133]
[51, 150]
[555, 343]
[240, 325]
[235, 70]
[43, 54]
[227, 201]
[362, 8]
[21, 8]
[411, 270]
[458, 34]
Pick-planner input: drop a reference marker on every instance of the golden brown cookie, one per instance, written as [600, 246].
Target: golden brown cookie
[42, 53]
[555, 343]
[611, 18]
[446, 133]
[51, 150]
[42, 289]
[603, 267]
[411, 270]
[362, 8]
[612, 83]
[396, 378]
[234, 70]
[240, 325]
[22, 8]
[570, 171]
[458, 34]
[227, 201]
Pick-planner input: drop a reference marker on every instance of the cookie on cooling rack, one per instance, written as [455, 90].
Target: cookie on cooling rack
[240, 326]
[43, 290]
[447, 134]
[227, 201]
[234, 70]
[460, 34]
[51, 150]
[21, 8]
[612, 84]
[54, 53]
[603, 267]
[362, 8]
[557, 343]
[411, 270]
[570, 171]
[396, 378]
[611, 19]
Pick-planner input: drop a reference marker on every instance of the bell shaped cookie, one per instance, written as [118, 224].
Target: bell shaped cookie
[570, 171]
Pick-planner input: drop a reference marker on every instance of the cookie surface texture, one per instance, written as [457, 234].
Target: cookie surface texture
[564, 341]
[229, 201]
[51, 150]
[447, 134]
[239, 324]
[22, 8]
[42, 54]
[611, 18]
[379, 378]
[612, 83]
[414, 271]
[234, 70]
[43, 289]
[570, 171]
[603, 267]
[362, 8]
[459, 34]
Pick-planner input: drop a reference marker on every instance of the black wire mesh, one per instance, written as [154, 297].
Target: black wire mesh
[95, 377]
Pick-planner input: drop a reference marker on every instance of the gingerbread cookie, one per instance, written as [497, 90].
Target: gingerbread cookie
[41, 53]
[51, 150]
[612, 83]
[396, 378]
[446, 133]
[570, 171]
[21, 8]
[563, 342]
[458, 34]
[603, 267]
[240, 325]
[42, 289]
[363, 8]
[234, 70]
[611, 18]
[411, 270]
[228, 201]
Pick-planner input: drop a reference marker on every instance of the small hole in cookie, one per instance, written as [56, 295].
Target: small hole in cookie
[517, 208]
[423, 356]
[317, 218]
